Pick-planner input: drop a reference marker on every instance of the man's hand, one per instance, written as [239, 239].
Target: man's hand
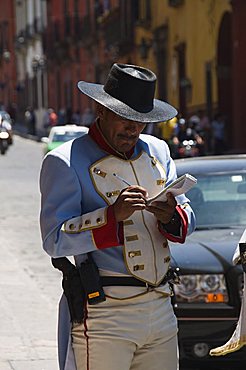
[131, 199]
[163, 211]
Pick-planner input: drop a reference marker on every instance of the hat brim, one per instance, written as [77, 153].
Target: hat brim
[161, 111]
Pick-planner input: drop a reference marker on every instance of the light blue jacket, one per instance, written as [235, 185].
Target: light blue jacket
[69, 191]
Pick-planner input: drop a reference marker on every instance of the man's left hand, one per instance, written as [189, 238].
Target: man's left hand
[163, 211]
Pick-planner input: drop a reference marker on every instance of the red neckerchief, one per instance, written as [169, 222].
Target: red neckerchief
[97, 136]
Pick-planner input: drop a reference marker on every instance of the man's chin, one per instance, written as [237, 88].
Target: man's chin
[126, 146]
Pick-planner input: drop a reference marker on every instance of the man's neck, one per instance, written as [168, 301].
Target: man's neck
[97, 135]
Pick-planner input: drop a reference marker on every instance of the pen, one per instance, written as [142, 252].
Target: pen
[120, 178]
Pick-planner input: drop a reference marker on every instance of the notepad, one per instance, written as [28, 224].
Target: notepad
[180, 186]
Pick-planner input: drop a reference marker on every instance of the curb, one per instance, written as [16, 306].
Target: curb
[27, 136]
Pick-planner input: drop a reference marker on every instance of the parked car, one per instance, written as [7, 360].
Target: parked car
[60, 134]
[207, 300]
[6, 123]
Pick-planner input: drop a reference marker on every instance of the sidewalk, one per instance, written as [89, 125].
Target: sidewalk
[20, 130]
[28, 319]
[30, 287]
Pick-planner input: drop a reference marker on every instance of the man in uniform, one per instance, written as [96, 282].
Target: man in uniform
[94, 208]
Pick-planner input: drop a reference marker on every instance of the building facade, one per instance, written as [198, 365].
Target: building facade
[238, 136]
[196, 48]
[30, 22]
[81, 41]
[188, 45]
[8, 92]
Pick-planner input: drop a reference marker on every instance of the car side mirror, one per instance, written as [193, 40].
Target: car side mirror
[44, 139]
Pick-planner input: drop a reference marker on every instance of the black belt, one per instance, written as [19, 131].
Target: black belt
[131, 281]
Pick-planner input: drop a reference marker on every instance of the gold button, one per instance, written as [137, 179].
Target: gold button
[131, 254]
[71, 227]
[87, 222]
[112, 193]
[165, 244]
[131, 238]
[153, 161]
[99, 220]
[138, 267]
[97, 171]
[128, 222]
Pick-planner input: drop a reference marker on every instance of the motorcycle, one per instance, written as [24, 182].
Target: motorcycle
[188, 148]
[4, 139]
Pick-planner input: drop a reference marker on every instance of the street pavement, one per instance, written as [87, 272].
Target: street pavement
[29, 286]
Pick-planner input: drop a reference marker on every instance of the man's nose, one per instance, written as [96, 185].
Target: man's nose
[132, 127]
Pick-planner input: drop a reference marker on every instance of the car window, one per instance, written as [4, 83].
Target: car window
[219, 200]
[65, 136]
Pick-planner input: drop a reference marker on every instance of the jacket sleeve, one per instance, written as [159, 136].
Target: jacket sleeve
[176, 230]
[184, 212]
[65, 230]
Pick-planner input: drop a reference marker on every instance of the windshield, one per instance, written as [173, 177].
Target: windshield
[68, 135]
[219, 200]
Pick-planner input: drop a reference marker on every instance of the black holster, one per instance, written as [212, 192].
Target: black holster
[80, 284]
[72, 287]
[91, 281]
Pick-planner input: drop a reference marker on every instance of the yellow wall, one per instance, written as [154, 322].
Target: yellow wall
[196, 23]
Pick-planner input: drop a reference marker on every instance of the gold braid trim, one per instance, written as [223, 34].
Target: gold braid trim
[228, 347]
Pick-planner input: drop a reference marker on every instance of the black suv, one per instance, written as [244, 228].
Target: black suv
[207, 302]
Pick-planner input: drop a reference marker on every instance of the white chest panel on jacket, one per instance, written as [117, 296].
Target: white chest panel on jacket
[146, 251]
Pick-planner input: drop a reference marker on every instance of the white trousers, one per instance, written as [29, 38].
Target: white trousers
[132, 334]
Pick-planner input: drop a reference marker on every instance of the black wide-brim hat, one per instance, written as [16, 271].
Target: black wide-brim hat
[129, 92]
